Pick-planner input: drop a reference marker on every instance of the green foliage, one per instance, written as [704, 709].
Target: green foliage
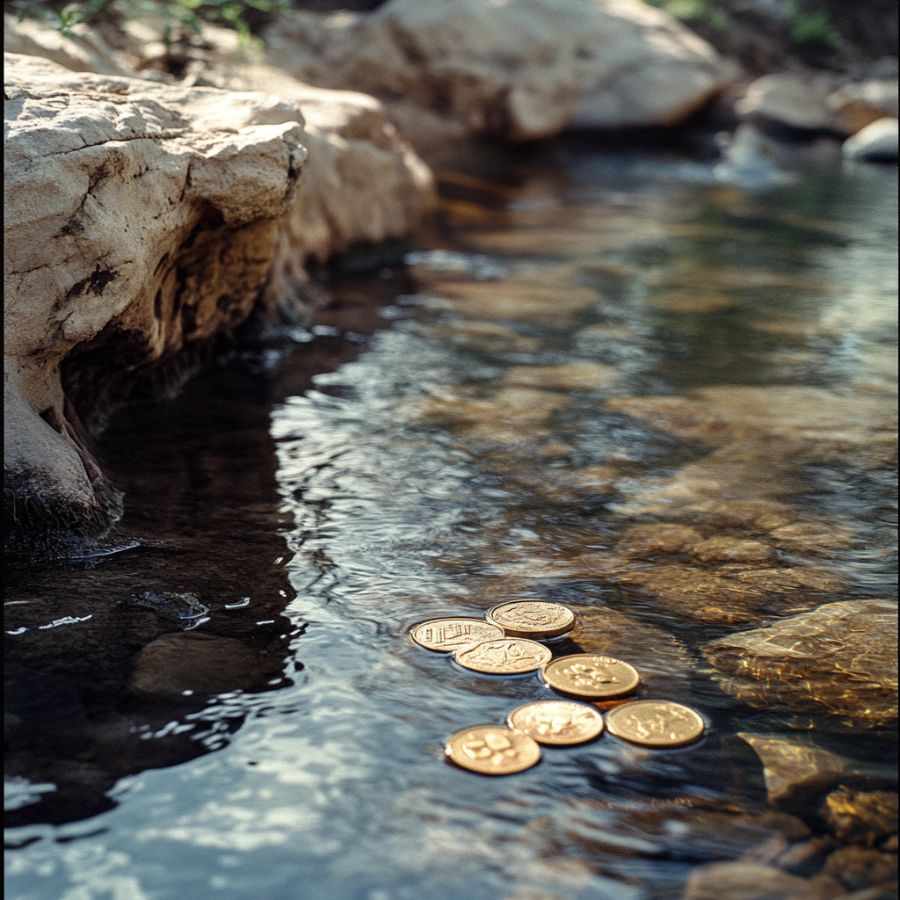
[705, 11]
[811, 29]
[175, 15]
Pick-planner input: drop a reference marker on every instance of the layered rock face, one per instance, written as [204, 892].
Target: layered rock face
[518, 70]
[143, 218]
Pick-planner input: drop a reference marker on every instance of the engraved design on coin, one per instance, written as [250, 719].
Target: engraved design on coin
[590, 675]
[557, 721]
[655, 723]
[506, 656]
[449, 634]
[532, 618]
[492, 750]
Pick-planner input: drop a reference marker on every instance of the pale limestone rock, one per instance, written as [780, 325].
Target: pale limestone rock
[856, 105]
[133, 211]
[877, 142]
[84, 50]
[839, 659]
[792, 99]
[520, 70]
[791, 768]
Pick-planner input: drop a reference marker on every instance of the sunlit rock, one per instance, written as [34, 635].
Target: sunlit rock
[861, 817]
[519, 70]
[161, 207]
[858, 104]
[839, 659]
[784, 579]
[878, 142]
[796, 100]
[793, 770]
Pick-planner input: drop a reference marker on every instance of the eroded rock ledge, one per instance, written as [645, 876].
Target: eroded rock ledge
[146, 218]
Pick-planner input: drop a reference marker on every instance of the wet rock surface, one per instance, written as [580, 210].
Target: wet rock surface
[794, 771]
[840, 659]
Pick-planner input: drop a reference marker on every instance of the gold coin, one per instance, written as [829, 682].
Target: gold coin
[655, 723]
[557, 721]
[590, 675]
[532, 618]
[493, 750]
[504, 656]
[448, 634]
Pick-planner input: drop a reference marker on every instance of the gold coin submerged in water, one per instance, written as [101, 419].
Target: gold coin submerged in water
[504, 656]
[559, 722]
[655, 723]
[492, 750]
[532, 618]
[452, 633]
[590, 675]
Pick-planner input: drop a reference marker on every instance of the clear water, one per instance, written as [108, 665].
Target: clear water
[402, 459]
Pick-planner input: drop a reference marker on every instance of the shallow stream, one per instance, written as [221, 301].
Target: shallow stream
[605, 379]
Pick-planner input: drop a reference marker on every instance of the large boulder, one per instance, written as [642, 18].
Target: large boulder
[839, 659]
[143, 218]
[518, 70]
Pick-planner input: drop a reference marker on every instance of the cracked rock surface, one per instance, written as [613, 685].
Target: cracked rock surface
[519, 70]
[143, 218]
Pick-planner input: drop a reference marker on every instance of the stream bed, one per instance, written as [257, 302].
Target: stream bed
[604, 379]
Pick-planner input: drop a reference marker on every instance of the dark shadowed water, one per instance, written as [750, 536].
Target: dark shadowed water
[585, 349]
